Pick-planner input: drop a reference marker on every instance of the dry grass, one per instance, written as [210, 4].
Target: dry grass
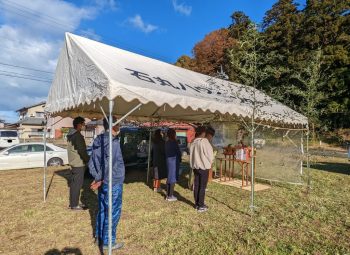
[289, 219]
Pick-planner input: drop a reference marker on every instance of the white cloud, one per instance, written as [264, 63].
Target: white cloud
[138, 23]
[111, 4]
[182, 8]
[31, 35]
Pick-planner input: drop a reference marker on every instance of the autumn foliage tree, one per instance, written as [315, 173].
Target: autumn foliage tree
[209, 54]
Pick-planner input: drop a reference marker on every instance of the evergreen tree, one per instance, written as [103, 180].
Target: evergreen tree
[280, 27]
[240, 24]
[325, 26]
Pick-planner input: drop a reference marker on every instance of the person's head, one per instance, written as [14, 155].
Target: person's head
[157, 136]
[79, 123]
[209, 133]
[200, 132]
[171, 134]
[115, 128]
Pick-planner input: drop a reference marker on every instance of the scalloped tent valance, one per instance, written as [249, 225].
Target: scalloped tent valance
[90, 73]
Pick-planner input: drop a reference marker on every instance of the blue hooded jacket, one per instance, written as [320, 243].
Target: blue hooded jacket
[99, 160]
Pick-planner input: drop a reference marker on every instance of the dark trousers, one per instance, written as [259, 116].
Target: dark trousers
[199, 186]
[75, 185]
[102, 214]
[170, 189]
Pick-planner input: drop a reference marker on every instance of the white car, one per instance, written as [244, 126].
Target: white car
[31, 155]
[8, 138]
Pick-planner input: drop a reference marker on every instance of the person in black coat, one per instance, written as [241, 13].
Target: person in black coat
[158, 160]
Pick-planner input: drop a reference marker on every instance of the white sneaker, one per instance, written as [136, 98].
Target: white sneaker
[202, 209]
[171, 199]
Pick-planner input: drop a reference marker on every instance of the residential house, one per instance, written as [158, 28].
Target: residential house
[32, 120]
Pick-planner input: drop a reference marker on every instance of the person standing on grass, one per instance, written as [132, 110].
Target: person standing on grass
[158, 160]
[173, 159]
[99, 169]
[201, 158]
[77, 158]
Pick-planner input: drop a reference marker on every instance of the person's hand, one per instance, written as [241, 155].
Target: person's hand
[95, 185]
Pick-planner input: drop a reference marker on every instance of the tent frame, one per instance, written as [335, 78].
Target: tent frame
[111, 124]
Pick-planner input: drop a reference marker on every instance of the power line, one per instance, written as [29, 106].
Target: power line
[23, 12]
[36, 13]
[28, 75]
[27, 68]
[26, 78]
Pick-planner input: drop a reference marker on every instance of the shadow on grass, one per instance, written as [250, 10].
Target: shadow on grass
[339, 168]
[139, 175]
[64, 251]
[87, 196]
[229, 207]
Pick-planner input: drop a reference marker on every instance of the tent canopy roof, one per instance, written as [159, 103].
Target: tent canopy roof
[90, 73]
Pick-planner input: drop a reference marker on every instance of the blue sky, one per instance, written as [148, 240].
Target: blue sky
[177, 30]
[32, 32]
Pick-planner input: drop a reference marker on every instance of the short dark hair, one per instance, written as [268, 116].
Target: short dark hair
[157, 137]
[106, 122]
[78, 120]
[210, 131]
[171, 133]
[200, 130]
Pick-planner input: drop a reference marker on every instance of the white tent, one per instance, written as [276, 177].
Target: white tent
[92, 77]
[89, 71]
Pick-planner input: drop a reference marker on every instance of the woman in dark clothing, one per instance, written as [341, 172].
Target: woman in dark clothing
[158, 160]
[173, 159]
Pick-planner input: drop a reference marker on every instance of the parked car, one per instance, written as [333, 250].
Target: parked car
[8, 138]
[31, 155]
[182, 141]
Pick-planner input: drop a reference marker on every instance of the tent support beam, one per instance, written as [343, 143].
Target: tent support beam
[127, 114]
[110, 204]
[103, 112]
[45, 165]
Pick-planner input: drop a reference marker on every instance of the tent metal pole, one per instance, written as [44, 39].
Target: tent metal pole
[127, 114]
[149, 154]
[302, 152]
[110, 204]
[45, 164]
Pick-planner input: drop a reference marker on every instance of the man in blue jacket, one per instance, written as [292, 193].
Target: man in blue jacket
[99, 169]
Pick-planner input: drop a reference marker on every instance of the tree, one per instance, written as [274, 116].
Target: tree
[310, 90]
[280, 27]
[186, 62]
[209, 54]
[325, 26]
[240, 24]
[248, 62]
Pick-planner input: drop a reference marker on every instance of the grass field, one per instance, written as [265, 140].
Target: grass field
[289, 219]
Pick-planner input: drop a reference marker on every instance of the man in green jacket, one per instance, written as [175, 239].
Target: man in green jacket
[78, 159]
